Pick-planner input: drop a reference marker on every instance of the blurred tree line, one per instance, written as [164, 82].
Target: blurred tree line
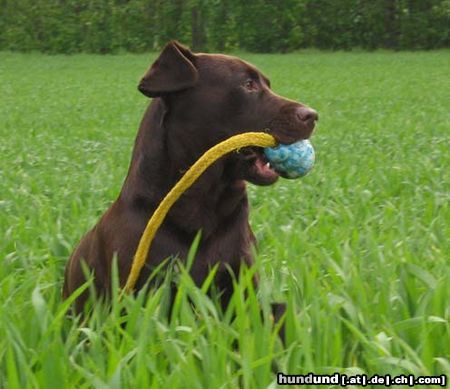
[104, 26]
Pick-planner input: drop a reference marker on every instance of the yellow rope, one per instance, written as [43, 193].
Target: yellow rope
[213, 154]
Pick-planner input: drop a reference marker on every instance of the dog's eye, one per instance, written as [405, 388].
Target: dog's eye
[250, 85]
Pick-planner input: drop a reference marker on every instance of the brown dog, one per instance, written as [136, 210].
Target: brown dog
[199, 100]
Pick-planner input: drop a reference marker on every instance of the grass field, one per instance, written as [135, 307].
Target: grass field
[359, 248]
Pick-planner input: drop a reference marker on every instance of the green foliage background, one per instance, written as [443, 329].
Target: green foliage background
[105, 26]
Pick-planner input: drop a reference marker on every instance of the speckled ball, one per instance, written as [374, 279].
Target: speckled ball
[292, 161]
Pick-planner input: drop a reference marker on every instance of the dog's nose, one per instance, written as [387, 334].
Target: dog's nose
[306, 114]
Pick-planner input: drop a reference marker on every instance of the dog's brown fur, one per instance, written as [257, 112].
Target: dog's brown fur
[199, 100]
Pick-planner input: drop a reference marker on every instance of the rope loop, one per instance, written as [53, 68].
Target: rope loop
[236, 142]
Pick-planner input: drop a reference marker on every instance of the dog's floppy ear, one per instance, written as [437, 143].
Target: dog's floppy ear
[172, 71]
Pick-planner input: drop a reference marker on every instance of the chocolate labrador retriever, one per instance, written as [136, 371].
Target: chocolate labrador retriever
[199, 100]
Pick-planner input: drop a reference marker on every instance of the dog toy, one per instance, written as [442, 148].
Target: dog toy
[292, 161]
[258, 139]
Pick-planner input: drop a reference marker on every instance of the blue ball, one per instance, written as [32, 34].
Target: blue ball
[292, 161]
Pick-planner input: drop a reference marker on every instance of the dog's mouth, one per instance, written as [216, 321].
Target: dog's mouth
[258, 170]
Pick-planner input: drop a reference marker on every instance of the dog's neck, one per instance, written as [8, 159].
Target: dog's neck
[155, 168]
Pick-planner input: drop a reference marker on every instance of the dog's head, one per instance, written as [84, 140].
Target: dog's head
[210, 97]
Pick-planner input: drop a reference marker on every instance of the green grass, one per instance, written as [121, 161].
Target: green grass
[359, 248]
